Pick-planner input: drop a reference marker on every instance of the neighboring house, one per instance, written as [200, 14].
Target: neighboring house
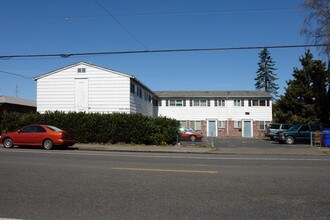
[219, 113]
[83, 87]
[89, 88]
[13, 104]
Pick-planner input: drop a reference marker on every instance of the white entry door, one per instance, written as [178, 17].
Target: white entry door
[81, 95]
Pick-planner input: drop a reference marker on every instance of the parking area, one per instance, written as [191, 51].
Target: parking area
[226, 142]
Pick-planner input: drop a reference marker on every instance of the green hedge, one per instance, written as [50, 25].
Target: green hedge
[101, 128]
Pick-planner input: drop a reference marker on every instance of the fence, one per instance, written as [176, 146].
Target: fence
[320, 138]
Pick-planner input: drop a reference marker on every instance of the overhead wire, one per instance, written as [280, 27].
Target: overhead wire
[67, 55]
[121, 25]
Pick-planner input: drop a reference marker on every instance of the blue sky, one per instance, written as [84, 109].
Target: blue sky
[75, 26]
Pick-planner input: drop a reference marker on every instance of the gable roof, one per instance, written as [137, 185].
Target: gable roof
[17, 101]
[97, 67]
[82, 63]
[213, 94]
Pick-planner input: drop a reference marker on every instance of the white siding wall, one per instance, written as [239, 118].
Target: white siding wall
[259, 113]
[139, 105]
[107, 92]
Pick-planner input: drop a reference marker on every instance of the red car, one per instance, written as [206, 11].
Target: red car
[190, 134]
[38, 135]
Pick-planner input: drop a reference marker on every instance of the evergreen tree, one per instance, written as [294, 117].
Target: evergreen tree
[265, 76]
[305, 98]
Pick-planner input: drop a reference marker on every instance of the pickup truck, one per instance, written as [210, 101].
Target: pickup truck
[298, 133]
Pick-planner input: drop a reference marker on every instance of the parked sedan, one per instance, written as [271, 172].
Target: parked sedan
[190, 134]
[38, 135]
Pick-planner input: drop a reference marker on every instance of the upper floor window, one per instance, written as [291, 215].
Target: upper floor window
[238, 102]
[175, 102]
[132, 88]
[81, 70]
[139, 92]
[199, 102]
[220, 103]
[257, 102]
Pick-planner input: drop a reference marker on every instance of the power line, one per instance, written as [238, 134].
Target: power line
[121, 25]
[67, 55]
[237, 11]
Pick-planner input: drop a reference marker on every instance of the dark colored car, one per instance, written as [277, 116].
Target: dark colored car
[298, 133]
[190, 134]
[38, 135]
[273, 129]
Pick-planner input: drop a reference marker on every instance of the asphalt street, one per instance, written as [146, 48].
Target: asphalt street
[60, 184]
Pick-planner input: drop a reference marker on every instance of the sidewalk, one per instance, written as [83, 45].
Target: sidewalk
[283, 150]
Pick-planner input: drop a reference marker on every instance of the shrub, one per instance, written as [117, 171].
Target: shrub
[101, 128]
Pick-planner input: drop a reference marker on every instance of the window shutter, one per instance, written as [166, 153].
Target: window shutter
[208, 103]
[215, 103]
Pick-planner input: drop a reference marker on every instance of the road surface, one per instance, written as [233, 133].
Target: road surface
[72, 184]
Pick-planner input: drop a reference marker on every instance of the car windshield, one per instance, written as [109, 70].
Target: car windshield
[53, 128]
[294, 128]
[190, 129]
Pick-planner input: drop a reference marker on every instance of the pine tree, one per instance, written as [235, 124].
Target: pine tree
[305, 98]
[265, 76]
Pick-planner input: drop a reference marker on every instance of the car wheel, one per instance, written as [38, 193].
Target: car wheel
[8, 143]
[48, 144]
[289, 140]
[192, 138]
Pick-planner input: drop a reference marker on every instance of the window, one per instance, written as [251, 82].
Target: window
[222, 124]
[81, 70]
[183, 124]
[261, 125]
[261, 102]
[177, 102]
[132, 88]
[139, 92]
[197, 125]
[304, 128]
[29, 129]
[237, 124]
[146, 95]
[200, 102]
[237, 102]
[220, 103]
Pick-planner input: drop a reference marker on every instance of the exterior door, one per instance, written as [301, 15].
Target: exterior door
[212, 132]
[247, 129]
[81, 95]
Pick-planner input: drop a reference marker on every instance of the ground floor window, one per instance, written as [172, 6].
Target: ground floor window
[197, 125]
[263, 125]
[237, 124]
[222, 124]
[183, 124]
